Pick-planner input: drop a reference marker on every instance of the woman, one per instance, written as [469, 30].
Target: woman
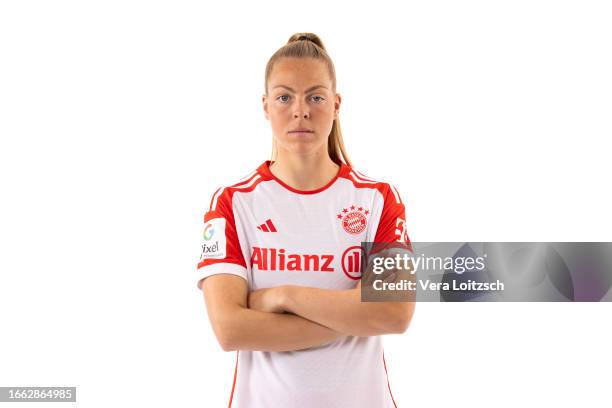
[280, 254]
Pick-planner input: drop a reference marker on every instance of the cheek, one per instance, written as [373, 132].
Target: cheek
[277, 119]
[278, 112]
[324, 110]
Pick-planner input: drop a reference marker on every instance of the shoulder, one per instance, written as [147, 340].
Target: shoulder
[361, 180]
[222, 195]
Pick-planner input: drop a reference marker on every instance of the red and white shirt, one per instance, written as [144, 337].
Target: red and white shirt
[271, 234]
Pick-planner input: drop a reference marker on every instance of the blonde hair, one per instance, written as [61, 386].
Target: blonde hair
[308, 45]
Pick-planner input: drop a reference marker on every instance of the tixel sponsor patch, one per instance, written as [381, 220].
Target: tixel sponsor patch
[213, 239]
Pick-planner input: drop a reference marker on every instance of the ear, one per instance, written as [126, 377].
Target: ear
[264, 101]
[337, 102]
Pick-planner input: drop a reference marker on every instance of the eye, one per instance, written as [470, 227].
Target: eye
[318, 99]
[280, 98]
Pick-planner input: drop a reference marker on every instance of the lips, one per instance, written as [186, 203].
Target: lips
[301, 131]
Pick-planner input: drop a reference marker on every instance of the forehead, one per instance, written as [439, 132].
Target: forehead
[299, 73]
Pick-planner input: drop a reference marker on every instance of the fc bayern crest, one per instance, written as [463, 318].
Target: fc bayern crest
[354, 219]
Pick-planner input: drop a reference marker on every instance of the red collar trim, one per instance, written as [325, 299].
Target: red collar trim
[264, 170]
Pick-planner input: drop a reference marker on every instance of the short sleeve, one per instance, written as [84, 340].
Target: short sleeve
[392, 224]
[220, 250]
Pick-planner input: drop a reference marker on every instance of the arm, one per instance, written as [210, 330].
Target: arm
[343, 310]
[340, 310]
[239, 328]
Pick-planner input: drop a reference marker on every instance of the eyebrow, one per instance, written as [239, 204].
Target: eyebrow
[312, 88]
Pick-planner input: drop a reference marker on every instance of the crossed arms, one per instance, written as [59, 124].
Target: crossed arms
[287, 318]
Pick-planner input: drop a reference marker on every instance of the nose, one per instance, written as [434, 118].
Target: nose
[301, 111]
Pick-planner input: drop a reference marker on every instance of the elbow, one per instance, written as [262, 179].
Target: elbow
[397, 317]
[404, 317]
[225, 340]
[392, 325]
[225, 335]
[400, 326]
[226, 344]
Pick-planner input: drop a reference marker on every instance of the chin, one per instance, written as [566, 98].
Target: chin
[302, 147]
[299, 140]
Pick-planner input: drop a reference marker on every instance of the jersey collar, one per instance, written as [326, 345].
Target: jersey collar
[264, 171]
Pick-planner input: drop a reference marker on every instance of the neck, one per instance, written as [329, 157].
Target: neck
[305, 172]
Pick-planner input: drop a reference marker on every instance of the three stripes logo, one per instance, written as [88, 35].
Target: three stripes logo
[267, 226]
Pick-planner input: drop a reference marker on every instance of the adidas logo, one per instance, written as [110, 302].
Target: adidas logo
[267, 226]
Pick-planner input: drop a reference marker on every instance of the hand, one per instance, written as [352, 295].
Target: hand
[267, 300]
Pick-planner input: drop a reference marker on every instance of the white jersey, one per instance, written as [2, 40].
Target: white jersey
[271, 234]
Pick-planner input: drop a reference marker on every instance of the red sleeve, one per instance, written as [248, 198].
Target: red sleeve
[220, 249]
[392, 224]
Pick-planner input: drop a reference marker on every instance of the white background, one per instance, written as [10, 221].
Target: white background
[119, 119]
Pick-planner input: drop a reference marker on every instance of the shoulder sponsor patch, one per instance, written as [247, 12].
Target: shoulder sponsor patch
[213, 239]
